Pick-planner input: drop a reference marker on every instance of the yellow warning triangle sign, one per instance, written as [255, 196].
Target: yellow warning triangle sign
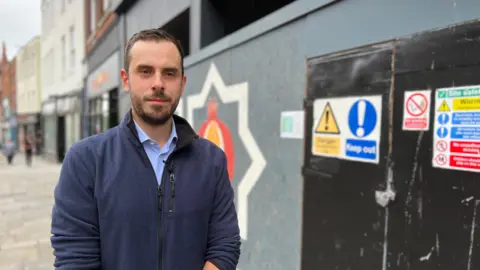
[327, 123]
[444, 107]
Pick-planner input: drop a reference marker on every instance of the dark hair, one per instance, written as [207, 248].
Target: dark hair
[154, 34]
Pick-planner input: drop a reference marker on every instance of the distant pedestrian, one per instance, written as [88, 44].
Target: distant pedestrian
[38, 143]
[9, 151]
[28, 151]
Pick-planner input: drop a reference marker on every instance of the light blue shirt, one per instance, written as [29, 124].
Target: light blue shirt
[156, 154]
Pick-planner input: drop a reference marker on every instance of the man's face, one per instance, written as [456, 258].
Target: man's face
[154, 80]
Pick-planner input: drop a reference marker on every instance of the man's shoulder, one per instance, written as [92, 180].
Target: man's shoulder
[92, 144]
[208, 150]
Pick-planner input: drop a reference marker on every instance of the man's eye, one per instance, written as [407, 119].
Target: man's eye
[170, 74]
[144, 70]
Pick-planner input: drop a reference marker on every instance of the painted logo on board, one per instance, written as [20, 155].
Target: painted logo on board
[212, 128]
[218, 132]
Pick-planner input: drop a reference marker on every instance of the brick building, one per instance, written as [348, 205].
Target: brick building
[8, 97]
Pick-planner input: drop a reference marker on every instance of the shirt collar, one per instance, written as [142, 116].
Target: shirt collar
[143, 137]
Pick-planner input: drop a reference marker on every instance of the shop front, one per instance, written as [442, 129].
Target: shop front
[5, 132]
[102, 92]
[69, 111]
[61, 124]
[29, 125]
[49, 134]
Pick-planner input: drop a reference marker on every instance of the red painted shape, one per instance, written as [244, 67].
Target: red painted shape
[228, 146]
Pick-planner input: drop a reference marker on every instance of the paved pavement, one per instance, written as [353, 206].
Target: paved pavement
[26, 199]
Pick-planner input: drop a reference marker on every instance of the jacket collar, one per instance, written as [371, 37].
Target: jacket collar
[185, 132]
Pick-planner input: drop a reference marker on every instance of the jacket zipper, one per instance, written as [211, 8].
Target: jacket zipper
[160, 193]
[159, 216]
[172, 192]
[168, 163]
[168, 169]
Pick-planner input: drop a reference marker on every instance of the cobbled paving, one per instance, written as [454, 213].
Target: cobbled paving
[26, 199]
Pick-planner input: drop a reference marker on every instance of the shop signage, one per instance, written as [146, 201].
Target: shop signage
[27, 119]
[105, 77]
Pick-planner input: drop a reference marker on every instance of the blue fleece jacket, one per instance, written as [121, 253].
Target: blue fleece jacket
[111, 214]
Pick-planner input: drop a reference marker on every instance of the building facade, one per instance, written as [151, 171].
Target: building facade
[29, 92]
[1, 105]
[103, 67]
[247, 63]
[2, 140]
[8, 122]
[63, 72]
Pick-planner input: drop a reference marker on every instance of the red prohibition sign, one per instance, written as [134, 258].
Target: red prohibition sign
[441, 159]
[442, 146]
[411, 101]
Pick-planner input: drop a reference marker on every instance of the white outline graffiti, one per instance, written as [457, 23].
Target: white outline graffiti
[229, 94]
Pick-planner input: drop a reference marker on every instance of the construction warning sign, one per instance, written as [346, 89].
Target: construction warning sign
[443, 107]
[347, 128]
[456, 137]
[327, 123]
[416, 110]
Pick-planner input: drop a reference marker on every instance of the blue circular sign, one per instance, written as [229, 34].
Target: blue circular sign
[442, 132]
[443, 118]
[362, 118]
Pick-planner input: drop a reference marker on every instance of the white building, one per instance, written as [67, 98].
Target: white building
[28, 93]
[63, 71]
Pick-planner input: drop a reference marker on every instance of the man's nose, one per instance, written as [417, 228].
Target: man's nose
[158, 81]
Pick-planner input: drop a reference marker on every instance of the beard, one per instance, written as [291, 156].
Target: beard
[155, 114]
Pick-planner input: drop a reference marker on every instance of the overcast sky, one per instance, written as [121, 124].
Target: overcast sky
[19, 22]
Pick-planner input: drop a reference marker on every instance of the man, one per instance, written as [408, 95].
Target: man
[38, 143]
[148, 194]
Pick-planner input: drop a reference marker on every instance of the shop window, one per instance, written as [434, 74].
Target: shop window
[93, 19]
[64, 61]
[107, 5]
[72, 48]
[102, 112]
[113, 108]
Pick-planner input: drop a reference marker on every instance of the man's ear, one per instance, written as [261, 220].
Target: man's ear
[125, 82]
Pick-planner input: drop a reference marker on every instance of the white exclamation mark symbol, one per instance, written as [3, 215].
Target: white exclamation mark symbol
[361, 118]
